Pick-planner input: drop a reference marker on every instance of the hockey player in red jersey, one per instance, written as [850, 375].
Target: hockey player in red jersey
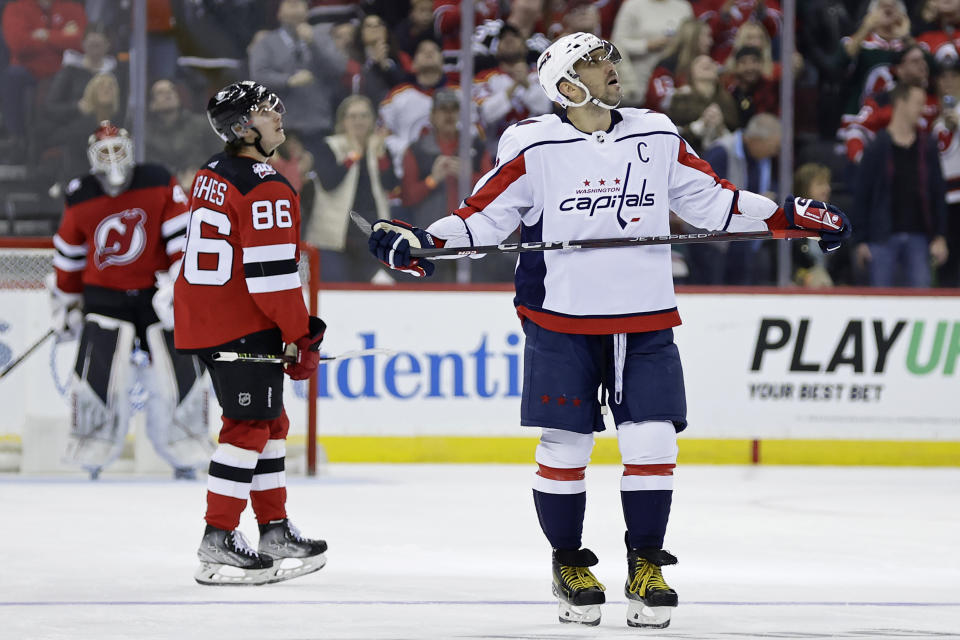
[120, 238]
[600, 319]
[239, 290]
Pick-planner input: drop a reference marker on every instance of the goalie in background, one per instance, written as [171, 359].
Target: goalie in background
[118, 250]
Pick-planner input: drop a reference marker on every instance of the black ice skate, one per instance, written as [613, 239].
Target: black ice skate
[293, 555]
[227, 559]
[578, 591]
[650, 600]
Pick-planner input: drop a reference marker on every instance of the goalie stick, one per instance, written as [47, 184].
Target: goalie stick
[596, 243]
[23, 356]
[234, 356]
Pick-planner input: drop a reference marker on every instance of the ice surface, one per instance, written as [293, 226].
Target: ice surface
[454, 551]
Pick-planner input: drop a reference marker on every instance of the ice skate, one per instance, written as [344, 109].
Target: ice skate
[227, 559]
[650, 600]
[293, 555]
[578, 591]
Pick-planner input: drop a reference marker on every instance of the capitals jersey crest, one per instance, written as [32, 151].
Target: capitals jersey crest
[120, 238]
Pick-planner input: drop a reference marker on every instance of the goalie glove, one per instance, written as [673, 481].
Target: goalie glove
[305, 351]
[831, 223]
[391, 240]
[66, 313]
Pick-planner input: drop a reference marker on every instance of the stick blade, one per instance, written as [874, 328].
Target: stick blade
[361, 222]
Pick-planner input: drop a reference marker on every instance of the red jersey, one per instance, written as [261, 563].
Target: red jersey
[239, 273]
[120, 242]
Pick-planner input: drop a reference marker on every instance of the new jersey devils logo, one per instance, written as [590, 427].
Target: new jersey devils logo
[120, 238]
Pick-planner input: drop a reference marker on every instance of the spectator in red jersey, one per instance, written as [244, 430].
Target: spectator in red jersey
[858, 130]
[447, 15]
[869, 53]
[693, 39]
[36, 32]
[948, 144]
[753, 92]
[725, 18]
[354, 172]
[938, 35]
[703, 110]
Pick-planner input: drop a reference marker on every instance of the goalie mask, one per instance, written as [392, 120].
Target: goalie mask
[110, 152]
[556, 65]
[229, 110]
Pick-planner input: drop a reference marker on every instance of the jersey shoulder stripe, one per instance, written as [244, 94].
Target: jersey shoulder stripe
[145, 176]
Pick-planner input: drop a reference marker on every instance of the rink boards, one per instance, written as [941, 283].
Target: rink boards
[846, 378]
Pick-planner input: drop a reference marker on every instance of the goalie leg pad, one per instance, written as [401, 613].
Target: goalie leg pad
[101, 386]
[176, 406]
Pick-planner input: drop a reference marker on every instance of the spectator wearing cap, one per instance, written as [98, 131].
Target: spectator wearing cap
[857, 130]
[300, 63]
[752, 91]
[644, 30]
[899, 200]
[526, 16]
[510, 92]
[431, 165]
[946, 132]
[36, 32]
[354, 173]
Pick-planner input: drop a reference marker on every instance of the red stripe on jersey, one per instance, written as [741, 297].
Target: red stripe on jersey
[648, 469]
[496, 185]
[601, 326]
[777, 221]
[567, 475]
[688, 159]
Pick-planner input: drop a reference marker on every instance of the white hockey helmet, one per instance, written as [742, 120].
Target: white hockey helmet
[556, 64]
[111, 157]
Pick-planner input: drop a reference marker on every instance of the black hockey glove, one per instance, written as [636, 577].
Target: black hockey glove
[390, 242]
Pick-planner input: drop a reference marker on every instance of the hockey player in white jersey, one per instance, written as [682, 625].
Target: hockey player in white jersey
[600, 320]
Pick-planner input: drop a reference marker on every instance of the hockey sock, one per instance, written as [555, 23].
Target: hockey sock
[646, 514]
[268, 493]
[228, 485]
[560, 497]
[649, 451]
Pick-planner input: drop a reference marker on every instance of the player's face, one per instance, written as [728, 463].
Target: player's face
[599, 74]
[267, 119]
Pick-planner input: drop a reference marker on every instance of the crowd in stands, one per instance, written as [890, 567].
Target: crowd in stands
[371, 89]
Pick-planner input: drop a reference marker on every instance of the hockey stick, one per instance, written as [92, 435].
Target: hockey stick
[269, 358]
[23, 356]
[598, 243]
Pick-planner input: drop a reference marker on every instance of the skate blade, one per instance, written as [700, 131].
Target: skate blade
[223, 575]
[290, 568]
[587, 615]
[640, 615]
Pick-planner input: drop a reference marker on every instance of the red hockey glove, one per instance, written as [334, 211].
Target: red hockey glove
[305, 351]
[831, 223]
[391, 240]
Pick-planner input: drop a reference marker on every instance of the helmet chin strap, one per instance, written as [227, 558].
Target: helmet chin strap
[589, 98]
[256, 143]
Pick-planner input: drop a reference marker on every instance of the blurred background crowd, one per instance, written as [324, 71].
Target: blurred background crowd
[372, 90]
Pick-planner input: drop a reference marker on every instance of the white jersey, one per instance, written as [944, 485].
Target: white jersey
[558, 183]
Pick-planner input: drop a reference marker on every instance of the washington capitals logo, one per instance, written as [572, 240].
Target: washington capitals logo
[602, 195]
[120, 238]
[543, 60]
